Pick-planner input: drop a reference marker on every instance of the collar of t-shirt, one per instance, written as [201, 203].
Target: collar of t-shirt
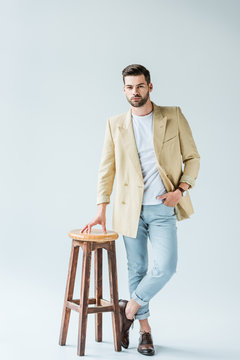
[144, 117]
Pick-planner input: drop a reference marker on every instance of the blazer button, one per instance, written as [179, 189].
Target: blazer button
[123, 202]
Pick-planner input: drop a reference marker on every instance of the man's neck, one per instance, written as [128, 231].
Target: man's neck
[143, 110]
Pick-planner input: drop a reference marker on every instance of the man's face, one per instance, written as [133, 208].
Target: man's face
[137, 90]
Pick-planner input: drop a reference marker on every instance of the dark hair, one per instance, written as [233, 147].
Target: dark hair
[136, 69]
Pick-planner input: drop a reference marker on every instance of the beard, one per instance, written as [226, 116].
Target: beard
[140, 102]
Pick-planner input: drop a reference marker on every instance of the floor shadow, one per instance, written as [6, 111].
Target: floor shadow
[191, 353]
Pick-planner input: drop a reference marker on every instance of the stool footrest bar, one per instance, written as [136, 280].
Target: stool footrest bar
[100, 309]
[105, 305]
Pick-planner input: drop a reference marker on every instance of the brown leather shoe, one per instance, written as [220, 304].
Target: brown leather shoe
[145, 345]
[125, 324]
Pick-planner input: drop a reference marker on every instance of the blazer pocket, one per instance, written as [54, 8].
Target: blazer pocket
[169, 139]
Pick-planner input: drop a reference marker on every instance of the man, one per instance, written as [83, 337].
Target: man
[144, 149]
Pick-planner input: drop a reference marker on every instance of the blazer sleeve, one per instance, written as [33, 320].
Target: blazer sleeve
[106, 171]
[190, 155]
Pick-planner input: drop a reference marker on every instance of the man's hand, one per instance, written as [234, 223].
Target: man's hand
[171, 198]
[100, 218]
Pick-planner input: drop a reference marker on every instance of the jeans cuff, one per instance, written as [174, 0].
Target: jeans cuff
[138, 300]
[142, 316]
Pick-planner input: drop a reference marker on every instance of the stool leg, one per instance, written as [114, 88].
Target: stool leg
[85, 283]
[98, 292]
[68, 293]
[112, 265]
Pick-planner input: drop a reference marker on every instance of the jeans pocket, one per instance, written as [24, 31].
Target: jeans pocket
[169, 210]
[168, 206]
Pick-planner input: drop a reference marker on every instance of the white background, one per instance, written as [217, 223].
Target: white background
[60, 80]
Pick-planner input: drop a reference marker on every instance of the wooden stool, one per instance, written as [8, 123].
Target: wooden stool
[95, 241]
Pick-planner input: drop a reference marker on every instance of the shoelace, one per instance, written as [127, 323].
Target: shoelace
[147, 335]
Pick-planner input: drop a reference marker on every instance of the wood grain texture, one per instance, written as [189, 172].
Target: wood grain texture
[85, 282]
[112, 265]
[72, 268]
[98, 292]
[97, 305]
[95, 235]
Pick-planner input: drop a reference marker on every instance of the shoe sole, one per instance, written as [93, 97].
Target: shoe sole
[146, 353]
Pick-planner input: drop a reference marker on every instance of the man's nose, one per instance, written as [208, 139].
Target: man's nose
[135, 92]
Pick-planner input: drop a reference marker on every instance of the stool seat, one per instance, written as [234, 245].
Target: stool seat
[95, 235]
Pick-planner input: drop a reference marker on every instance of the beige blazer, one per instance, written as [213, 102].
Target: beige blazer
[173, 145]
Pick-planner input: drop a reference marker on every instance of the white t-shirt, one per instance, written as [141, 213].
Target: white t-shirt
[153, 184]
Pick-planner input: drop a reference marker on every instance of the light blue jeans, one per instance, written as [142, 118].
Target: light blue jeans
[158, 222]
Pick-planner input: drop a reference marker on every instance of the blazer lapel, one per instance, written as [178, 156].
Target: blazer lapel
[159, 128]
[128, 138]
